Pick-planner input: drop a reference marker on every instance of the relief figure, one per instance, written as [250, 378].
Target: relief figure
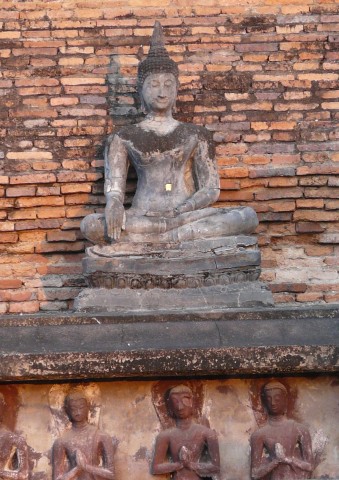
[83, 452]
[13, 451]
[281, 449]
[189, 451]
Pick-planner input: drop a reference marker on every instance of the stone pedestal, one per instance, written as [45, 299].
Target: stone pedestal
[208, 274]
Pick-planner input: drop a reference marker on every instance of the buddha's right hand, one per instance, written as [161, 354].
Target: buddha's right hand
[114, 216]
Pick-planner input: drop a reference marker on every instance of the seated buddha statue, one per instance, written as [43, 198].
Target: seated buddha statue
[176, 170]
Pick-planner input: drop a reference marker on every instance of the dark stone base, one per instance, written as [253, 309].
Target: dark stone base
[258, 341]
[213, 298]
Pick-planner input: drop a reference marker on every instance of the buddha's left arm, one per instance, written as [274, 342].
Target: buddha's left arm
[206, 176]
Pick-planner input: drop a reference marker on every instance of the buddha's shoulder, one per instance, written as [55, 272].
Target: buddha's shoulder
[199, 130]
[128, 131]
[182, 130]
[187, 130]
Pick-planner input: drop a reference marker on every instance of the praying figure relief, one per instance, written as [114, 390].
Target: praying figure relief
[13, 451]
[82, 452]
[282, 449]
[189, 451]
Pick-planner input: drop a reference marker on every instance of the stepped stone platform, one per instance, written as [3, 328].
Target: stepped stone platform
[205, 274]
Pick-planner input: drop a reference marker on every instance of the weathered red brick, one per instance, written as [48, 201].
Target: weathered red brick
[272, 172]
[33, 178]
[24, 307]
[38, 224]
[309, 297]
[318, 169]
[10, 284]
[321, 192]
[61, 236]
[76, 188]
[288, 287]
[236, 172]
[331, 297]
[8, 237]
[283, 182]
[46, 191]
[315, 215]
[38, 201]
[20, 191]
[310, 203]
[60, 247]
[16, 295]
[283, 298]
[7, 226]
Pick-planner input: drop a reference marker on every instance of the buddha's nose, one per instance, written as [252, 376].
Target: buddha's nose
[162, 92]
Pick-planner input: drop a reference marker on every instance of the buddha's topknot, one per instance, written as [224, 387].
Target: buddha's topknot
[157, 60]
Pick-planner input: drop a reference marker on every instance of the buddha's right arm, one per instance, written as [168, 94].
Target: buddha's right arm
[116, 168]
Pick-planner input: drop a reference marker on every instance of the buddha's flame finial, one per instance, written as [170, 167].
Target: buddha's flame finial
[158, 41]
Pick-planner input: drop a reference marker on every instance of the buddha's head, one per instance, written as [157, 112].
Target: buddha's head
[158, 76]
[180, 402]
[77, 406]
[275, 398]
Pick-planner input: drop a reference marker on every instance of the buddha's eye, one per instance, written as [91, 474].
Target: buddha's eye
[168, 83]
[155, 83]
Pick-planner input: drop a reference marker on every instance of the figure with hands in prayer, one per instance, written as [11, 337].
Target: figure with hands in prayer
[179, 450]
[282, 449]
[83, 452]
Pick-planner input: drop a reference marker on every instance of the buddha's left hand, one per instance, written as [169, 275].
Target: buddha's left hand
[187, 206]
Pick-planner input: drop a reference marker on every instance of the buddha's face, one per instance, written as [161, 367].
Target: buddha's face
[181, 405]
[159, 92]
[77, 410]
[276, 401]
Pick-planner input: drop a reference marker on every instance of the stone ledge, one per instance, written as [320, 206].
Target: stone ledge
[204, 299]
[248, 342]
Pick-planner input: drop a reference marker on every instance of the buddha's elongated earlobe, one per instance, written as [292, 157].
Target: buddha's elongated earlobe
[143, 106]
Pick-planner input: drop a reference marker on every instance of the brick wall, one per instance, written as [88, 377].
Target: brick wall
[263, 76]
